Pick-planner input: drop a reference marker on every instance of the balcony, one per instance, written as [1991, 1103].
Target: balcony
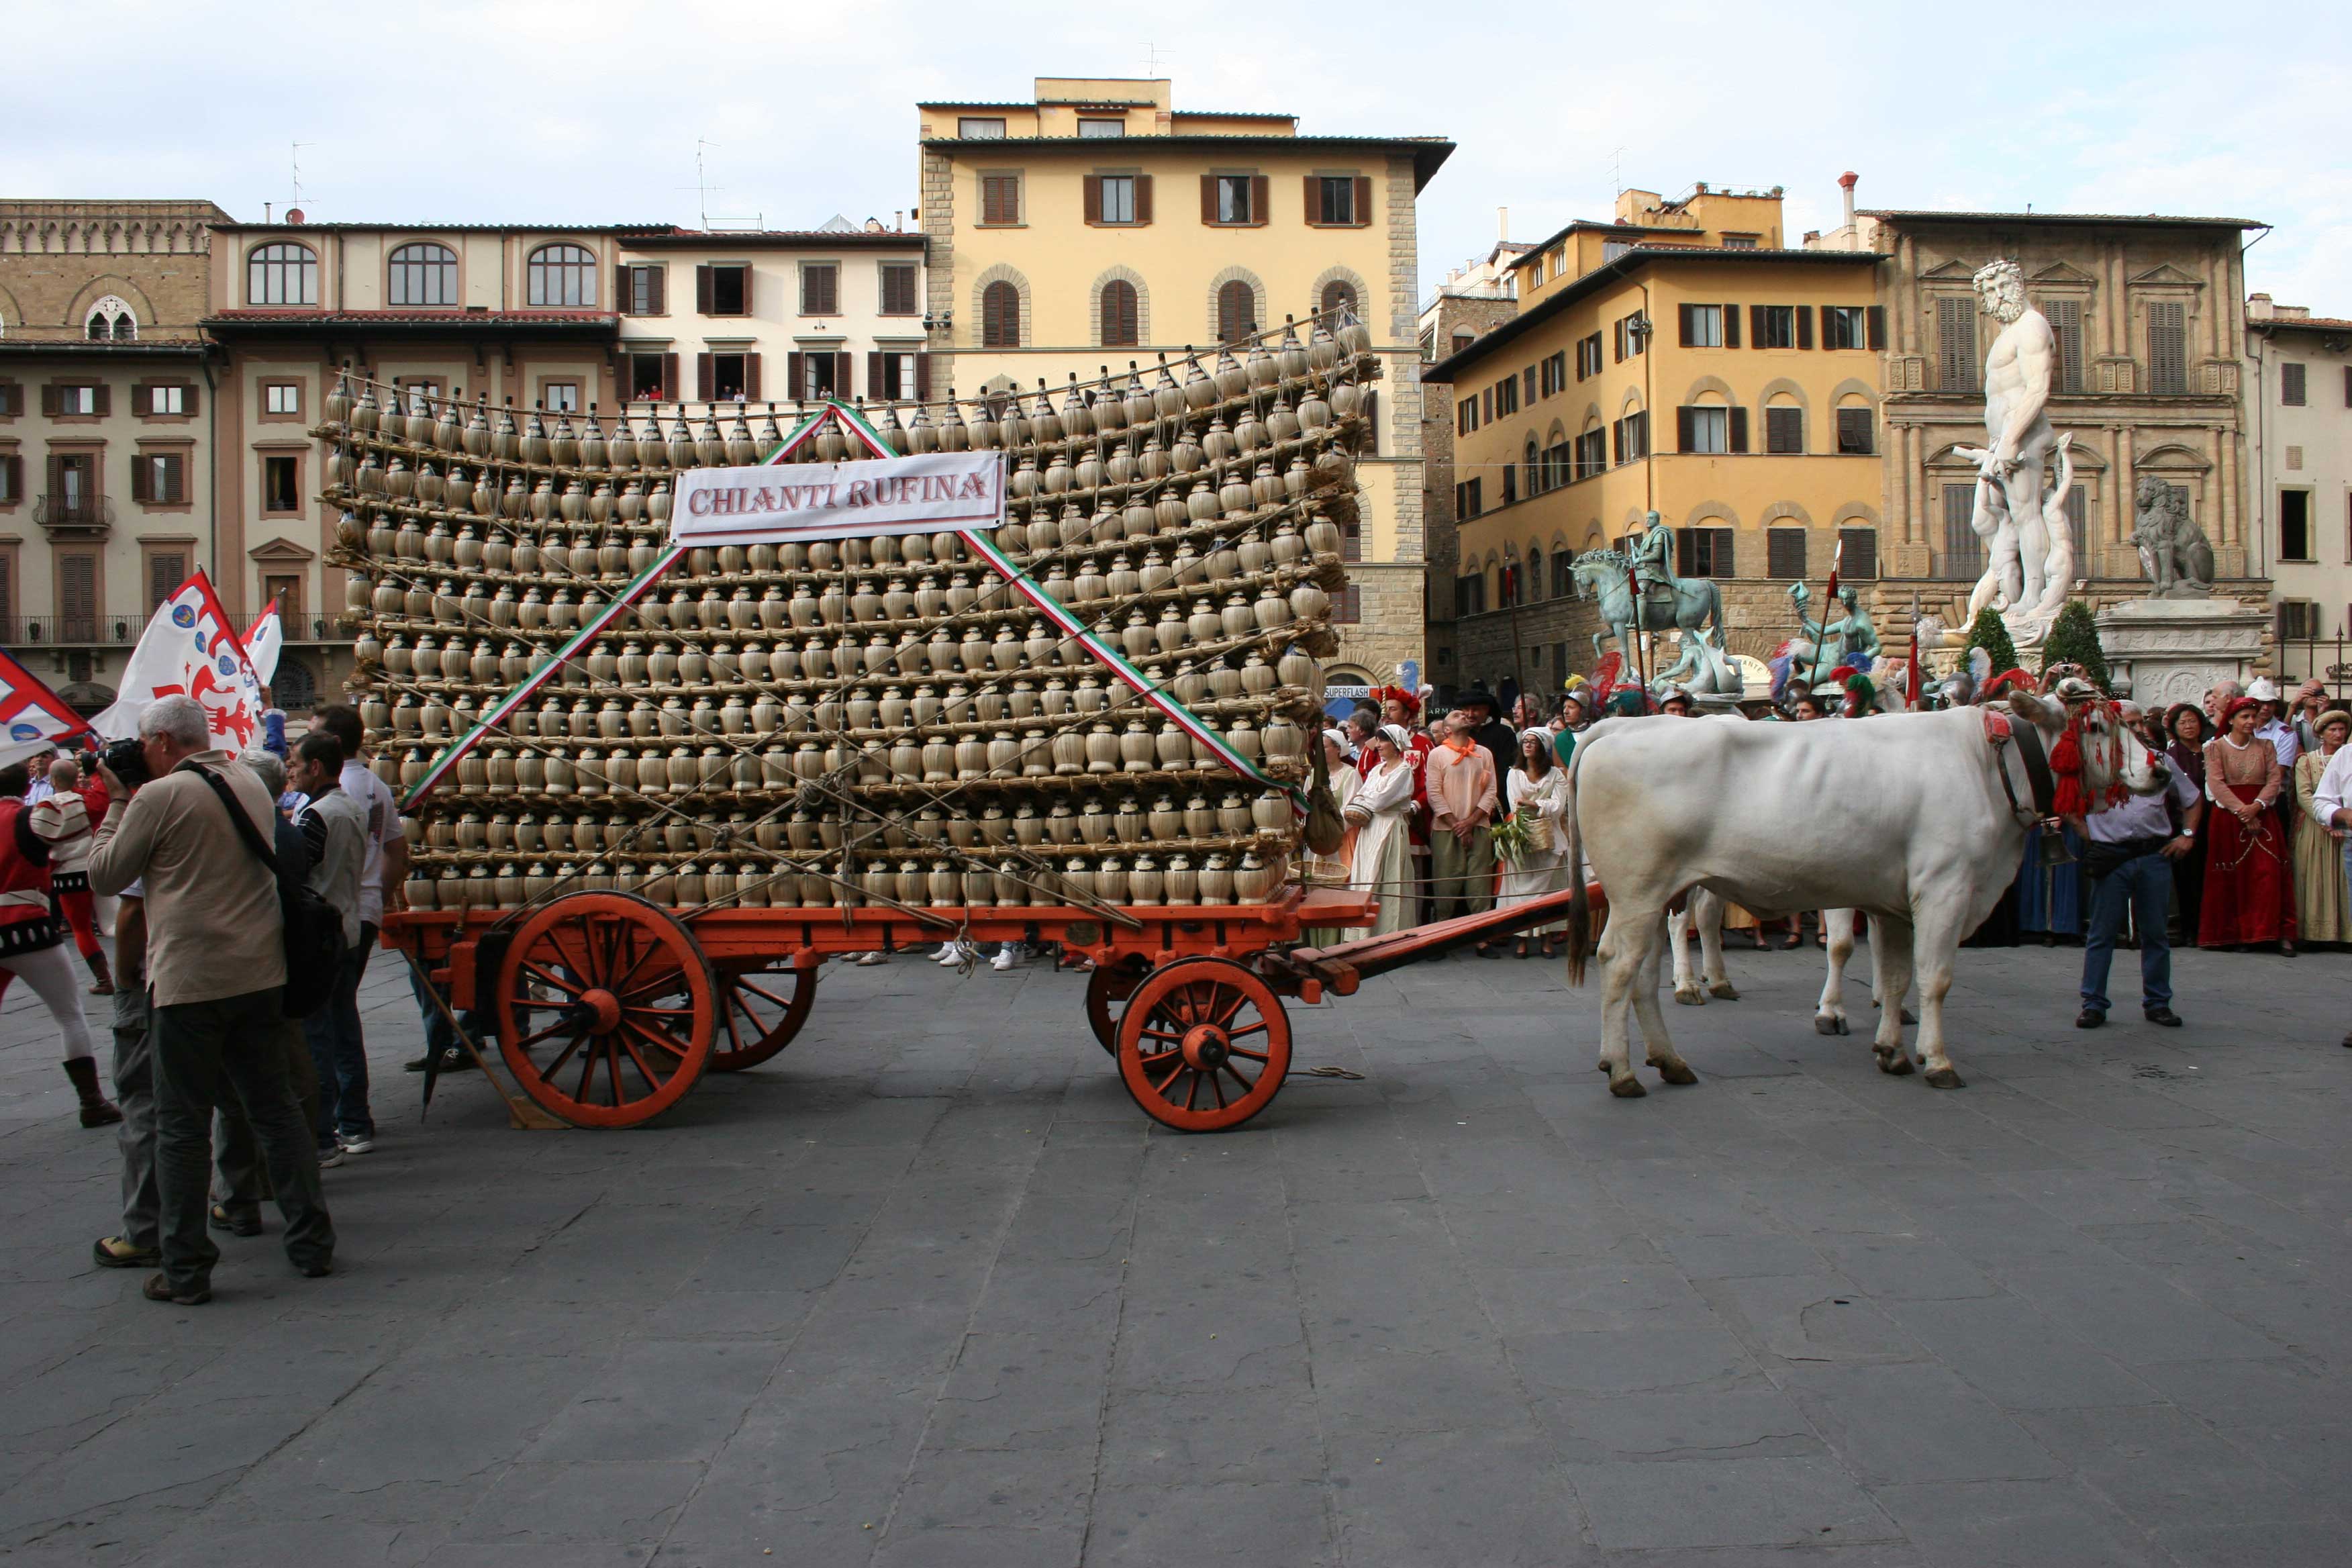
[75, 513]
[71, 631]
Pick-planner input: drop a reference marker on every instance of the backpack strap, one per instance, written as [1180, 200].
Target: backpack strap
[245, 828]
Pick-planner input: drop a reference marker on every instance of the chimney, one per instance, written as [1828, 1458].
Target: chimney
[1846, 182]
[2260, 308]
[265, 211]
[1502, 223]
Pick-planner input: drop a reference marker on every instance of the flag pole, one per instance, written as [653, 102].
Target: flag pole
[1829, 598]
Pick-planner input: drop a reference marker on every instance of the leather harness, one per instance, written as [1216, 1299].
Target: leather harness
[2039, 779]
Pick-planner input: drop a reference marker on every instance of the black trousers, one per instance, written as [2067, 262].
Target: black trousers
[203, 1050]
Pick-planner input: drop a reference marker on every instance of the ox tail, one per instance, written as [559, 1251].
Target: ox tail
[1579, 902]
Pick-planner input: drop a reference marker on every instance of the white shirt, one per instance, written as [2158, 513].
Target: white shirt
[383, 828]
[2334, 791]
[2283, 740]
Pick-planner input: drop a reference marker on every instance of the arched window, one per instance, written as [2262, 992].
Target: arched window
[1236, 311]
[562, 274]
[282, 274]
[111, 319]
[1563, 580]
[1338, 303]
[999, 316]
[1533, 477]
[1122, 316]
[424, 275]
[1535, 576]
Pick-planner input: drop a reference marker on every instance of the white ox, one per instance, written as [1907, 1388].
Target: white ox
[1904, 815]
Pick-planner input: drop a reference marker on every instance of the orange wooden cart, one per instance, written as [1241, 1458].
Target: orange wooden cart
[608, 1007]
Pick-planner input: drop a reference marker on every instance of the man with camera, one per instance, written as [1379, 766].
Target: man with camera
[215, 969]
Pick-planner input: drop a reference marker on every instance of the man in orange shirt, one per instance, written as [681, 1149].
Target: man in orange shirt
[1462, 802]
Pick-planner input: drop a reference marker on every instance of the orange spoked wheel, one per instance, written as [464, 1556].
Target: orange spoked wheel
[605, 1009]
[1203, 1045]
[1114, 980]
[761, 1008]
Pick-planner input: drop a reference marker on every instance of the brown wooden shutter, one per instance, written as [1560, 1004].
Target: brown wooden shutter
[703, 378]
[48, 400]
[669, 376]
[1686, 439]
[1805, 326]
[794, 373]
[1756, 333]
[1683, 321]
[1314, 201]
[877, 384]
[747, 292]
[1731, 326]
[1363, 202]
[1738, 429]
[13, 468]
[621, 301]
[1208, 198]
[78, 589]
[702, 289]
[105, 396]
[658, 296]
[1092, 185]
[187, 397]
[922, 375]
[844, 363]
[1261, 196]
[176, 477]
[752, 378]
[1143, 198]
[141, 467]
[1876, 319]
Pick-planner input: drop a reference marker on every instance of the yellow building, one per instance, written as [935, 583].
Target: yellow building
[1099, 227]
[1680, 361]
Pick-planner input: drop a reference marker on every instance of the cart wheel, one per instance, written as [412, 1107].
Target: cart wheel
[1203, 1045]
[760, 1011]
[606, 1008]
[1112, 981]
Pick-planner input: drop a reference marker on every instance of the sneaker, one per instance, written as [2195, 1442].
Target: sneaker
[868, 960]
[331, 1156]
[1010, 955]
[360, 1143]
[946, 954]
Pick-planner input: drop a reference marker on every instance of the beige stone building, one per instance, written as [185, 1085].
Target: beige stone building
[2299, 381]
[106, 427]
[1097, 225]
[1474, 300]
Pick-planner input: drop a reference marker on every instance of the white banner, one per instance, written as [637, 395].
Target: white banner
[931, 494]
[262, 641]
[190, 649]
[32, 718]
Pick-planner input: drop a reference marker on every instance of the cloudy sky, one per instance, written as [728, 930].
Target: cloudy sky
[591, 112]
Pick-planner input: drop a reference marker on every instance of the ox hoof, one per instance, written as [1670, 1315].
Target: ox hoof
[1675, 1071]
[1945, 1078]
[1691, 998]
[1724, 989]
[1627, 1088]
[1830, 1024]
[1894, 1063]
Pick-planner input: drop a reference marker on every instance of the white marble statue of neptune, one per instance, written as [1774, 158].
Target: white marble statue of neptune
[2029, 548]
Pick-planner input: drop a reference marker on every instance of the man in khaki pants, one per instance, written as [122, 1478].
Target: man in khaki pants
[1462, 802]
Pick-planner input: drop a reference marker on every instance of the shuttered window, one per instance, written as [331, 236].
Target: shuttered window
[1233, 201]
[1701, 325]
[2291, 385]
[1857, 433]
[999, 199]
[12, 396]
[2065, 318]
[1703, 430]
[76, 595]
[1784, 430]
[1703, 552]
[1338, 302]
[1236, 311]
[1122, 315]
[1338, 201]
[1779, 327]
[820, 288]
[11, 483]
[1784, 554]
[1957, 366]
[999, 316]
[1844, 326]
[898, 288]
[166, 570]
[2167, 346]
[159, 476]
[1962, 557]
[641, 290]
[1858, 554]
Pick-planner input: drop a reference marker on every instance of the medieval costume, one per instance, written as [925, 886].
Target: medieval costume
[1542, 805]
[1333, 869]
[29, 938]
[2320, 895]
[1380, 861]
[2249, 889]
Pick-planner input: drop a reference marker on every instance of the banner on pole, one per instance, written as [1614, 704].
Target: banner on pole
[190, 649]
[32, 718]
[937, 494]
[263, 639]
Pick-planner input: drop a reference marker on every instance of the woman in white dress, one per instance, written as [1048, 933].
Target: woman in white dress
[1332, 870]
[1537, 794]
[1380, 859]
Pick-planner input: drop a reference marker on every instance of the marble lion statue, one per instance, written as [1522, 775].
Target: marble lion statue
[2173, 551]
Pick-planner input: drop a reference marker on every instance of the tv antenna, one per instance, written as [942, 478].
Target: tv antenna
[703, 185]
[1617, 171]
[1151, 61]
[296, 160]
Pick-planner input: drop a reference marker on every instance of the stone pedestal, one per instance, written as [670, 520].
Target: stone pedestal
[2164, 651]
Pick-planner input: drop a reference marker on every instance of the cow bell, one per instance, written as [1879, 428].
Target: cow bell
[2054, 851]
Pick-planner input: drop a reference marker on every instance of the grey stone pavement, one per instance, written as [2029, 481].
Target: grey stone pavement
[928, 1290]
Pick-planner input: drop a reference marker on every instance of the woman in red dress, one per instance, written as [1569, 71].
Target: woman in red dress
[2249, 889]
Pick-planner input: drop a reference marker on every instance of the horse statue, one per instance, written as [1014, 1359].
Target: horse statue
[1693, 607]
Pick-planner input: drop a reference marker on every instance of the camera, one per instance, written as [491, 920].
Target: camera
[128, 761]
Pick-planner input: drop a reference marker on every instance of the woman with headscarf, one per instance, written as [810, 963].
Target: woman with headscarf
[2249, 889]
[2187, 734]
[1380, 859]
[1536, 794]
[2320, 912]
[1331, 870]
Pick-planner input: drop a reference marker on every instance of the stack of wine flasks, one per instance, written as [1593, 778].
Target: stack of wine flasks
[866, 721]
